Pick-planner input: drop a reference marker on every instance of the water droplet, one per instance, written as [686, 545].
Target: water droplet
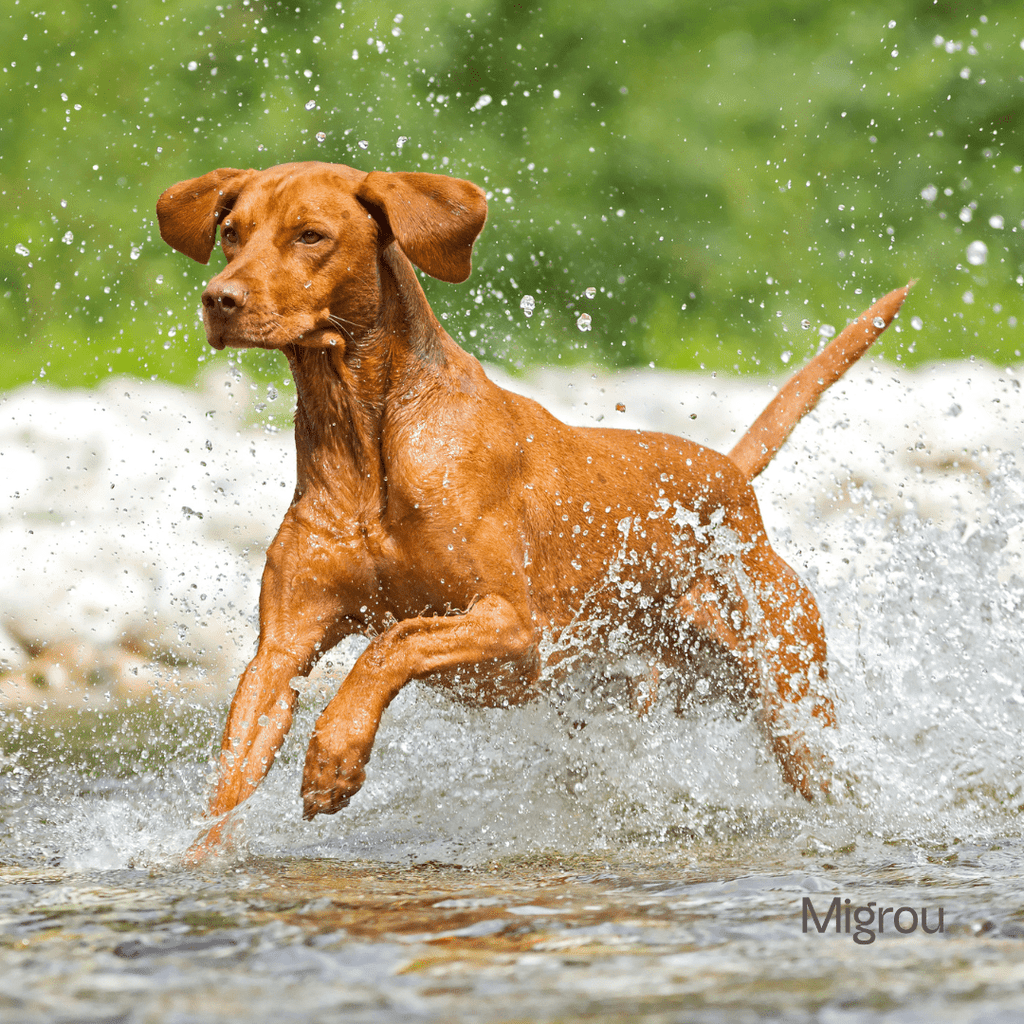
[402, 140]
[619, 407]
[527, 304]
[826, 331]
[363, 144]
[786, 356]
[590, 292]
[135, 253]
[977, 253]
[583, 322]
[916, 322]
[805, 324]
[966, 214]
[321, 136]
[311, 104]
[878, 323]
[997, 222]
[929, 193]
[68, 238]
[21, 250]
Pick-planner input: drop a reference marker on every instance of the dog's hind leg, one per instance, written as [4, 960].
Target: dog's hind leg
[790, 653]
[767, 621]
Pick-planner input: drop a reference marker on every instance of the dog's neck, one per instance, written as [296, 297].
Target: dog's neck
[343, 391]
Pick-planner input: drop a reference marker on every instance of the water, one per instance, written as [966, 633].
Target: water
[511, 865]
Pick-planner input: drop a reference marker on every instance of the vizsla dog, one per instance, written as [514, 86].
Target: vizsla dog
[456, 523]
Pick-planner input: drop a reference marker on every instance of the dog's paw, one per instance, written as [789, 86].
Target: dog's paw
[214, 842]
[329, 781]
[327, 800]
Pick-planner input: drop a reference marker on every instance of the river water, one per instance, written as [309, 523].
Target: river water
[510, 866]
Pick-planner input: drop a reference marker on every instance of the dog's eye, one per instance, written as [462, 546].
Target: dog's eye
[229, 234]
[310, 237]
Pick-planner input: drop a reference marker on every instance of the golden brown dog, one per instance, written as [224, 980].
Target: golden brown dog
[456, 523]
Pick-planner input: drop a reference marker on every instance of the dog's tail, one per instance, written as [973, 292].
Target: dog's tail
[800, 394]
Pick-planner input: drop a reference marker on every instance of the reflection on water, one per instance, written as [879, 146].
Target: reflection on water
[510, 865]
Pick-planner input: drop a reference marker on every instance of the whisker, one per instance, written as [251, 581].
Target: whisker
[341, 321]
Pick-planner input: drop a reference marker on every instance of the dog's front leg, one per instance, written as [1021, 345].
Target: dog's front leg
[259, 719]
[492, 640]
[301, 617]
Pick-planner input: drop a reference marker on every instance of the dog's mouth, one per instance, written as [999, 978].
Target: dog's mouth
[247, 335]
[234, 338]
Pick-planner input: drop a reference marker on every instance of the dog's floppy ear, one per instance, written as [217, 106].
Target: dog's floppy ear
[435, 219]
[190, 211]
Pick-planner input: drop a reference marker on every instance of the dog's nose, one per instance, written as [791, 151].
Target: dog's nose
[224, 297]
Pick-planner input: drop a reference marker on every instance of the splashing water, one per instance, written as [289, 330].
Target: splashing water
[977, 253]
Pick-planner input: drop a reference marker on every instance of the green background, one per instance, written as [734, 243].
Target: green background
[729, 177]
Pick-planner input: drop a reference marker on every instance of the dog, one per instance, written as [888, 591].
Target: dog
[458, 524]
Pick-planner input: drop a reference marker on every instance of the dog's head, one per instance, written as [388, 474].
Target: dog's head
[303, 243]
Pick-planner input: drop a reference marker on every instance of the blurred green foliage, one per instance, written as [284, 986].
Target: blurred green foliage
[729, 177]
